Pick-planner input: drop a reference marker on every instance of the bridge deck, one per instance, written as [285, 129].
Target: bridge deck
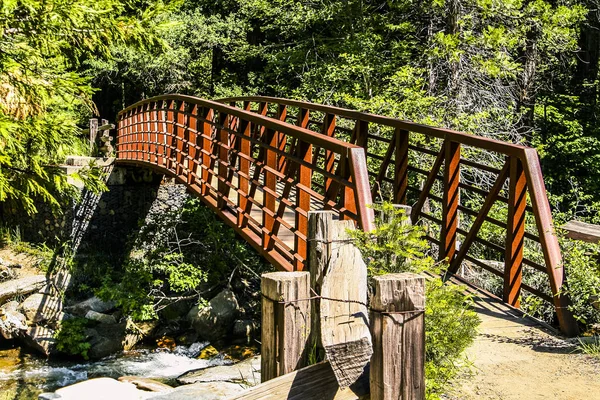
[284, 234]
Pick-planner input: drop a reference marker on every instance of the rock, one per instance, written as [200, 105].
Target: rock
[187, 338]
[41, 307]
[208, 352]
[245, 372]
[245, 329]
[93, 304]
[216, 320]
[204, 391]
[12, 322]
[99, 317]
[58, 319]
[145, 328]
[97, 389]
[166, 342]
[107, 339]
[40, 339]
[145, 383]
[6, 273]
[21, 286]
[57, 284]
[175, 311]
[239, 353]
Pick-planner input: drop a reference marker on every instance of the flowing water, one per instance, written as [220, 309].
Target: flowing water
[24, 375]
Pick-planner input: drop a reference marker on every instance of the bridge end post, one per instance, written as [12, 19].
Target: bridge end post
[285, 322]
[398, 332]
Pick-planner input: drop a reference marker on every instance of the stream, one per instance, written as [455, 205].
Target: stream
[24, 375]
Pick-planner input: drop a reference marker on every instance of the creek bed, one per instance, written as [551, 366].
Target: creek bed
[24, 375]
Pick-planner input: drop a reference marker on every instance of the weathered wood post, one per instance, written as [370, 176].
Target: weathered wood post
[285, 322]
[319, 253]
[93, 133]
[398, 330]
[340, 329]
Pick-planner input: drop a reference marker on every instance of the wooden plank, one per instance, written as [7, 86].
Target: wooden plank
[344, 321]
[398, 327]
[585, 232]
[286, 322]
[316, 382]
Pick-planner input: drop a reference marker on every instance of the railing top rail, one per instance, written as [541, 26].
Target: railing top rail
[323, 141]
[499, 146]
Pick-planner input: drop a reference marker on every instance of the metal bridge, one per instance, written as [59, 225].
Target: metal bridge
[263, 163]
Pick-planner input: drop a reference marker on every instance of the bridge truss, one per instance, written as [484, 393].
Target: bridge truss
[263, 163]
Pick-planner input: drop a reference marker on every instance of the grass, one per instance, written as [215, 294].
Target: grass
[590, 348]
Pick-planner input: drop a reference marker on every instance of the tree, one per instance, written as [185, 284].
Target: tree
[42, 94]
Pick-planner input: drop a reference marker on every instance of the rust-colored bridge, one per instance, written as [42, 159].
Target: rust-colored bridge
[263, 163]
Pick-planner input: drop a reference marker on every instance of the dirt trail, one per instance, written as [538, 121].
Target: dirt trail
[513, 358]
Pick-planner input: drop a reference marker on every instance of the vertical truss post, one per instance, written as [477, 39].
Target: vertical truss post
[304, 151]
[450, 200]
[401, 138]
[515, 233]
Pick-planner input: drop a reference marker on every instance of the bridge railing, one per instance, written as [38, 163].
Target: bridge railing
[452, 180]
[261, 175]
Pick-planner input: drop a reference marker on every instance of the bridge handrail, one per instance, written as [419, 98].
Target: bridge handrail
[239, 162]
[521, 169]
[508, 149]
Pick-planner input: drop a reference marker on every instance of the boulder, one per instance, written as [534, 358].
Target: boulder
[245, 329]
[101, 318]
[12, 322]
[40, 339]
[147, 384]
[21, 286]
[216, 320]
[6, 273]
[246, 372]
[57, 284]
[41, 307]
[57, 320]
[204, 391]
[93, 304]
[97, 389]
[107, 339]
[175, 311]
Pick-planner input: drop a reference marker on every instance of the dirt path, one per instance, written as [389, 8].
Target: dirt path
[515, 359]
[26, 264]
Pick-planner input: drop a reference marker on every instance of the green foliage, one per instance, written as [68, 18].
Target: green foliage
[582, 270]
[590, 348]
[71, 338]
[42, 95]
[395, 245]
[450, 323]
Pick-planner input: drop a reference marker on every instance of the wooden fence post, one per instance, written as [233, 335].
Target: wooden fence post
[285, 322]
[398, 331]
[93, 133]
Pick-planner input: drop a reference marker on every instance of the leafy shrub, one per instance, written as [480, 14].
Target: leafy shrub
[71, 338]
[450, 323]
[582, 271]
